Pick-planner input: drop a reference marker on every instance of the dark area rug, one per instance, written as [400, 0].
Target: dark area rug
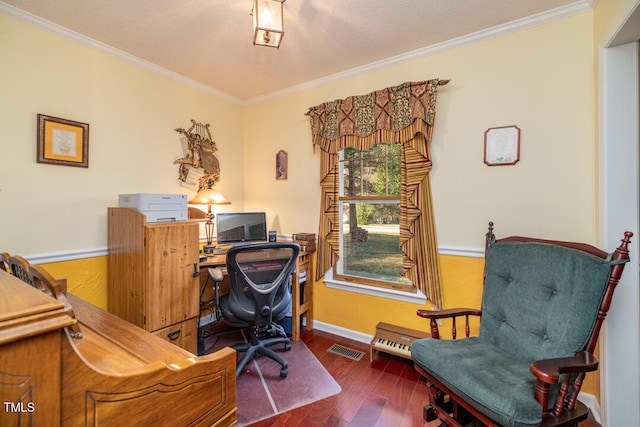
[261, 392]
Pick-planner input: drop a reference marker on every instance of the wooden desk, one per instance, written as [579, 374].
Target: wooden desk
[116, 374]
[31, 326]
[301, 289]
[119, 374]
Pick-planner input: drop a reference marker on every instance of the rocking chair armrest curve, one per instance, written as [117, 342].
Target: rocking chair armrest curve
[549, 370]
[452, 312]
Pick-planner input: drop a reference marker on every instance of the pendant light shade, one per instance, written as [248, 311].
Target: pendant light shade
[268, 22]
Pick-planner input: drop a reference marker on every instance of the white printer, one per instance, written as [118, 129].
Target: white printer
[157, 207]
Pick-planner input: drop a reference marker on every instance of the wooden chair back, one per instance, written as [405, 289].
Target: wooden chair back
[20, 268]
[56, 288]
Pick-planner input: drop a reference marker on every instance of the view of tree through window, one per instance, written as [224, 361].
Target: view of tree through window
[370, 222]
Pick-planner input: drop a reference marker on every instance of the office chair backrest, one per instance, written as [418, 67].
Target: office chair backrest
[260, 276]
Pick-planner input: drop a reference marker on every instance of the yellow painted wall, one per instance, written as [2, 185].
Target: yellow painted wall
[462, 278]
[86, 278]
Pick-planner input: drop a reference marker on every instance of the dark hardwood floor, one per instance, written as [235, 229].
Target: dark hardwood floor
[385, 392]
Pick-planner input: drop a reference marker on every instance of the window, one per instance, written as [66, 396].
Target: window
[370, 217]
[401, 115]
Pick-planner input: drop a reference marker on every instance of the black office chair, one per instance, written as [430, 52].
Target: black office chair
[259, 296]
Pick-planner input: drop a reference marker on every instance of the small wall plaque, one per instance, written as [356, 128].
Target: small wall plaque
[502, 146]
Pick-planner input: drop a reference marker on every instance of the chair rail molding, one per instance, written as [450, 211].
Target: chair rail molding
[66, 256]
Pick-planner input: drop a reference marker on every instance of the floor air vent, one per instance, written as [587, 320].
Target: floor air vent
[347, 352]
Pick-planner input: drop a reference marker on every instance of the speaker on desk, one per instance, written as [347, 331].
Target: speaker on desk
[272, 236]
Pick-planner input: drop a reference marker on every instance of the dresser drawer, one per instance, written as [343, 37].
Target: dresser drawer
[184, 334]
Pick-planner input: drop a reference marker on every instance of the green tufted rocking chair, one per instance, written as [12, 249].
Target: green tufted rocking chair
[543, 305]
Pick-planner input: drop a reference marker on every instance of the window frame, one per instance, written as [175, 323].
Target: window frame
[416, 297]
[337, 275]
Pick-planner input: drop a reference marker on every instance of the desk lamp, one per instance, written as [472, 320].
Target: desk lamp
[209, 197]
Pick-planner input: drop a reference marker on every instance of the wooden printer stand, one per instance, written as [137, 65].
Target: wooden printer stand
[153, 270]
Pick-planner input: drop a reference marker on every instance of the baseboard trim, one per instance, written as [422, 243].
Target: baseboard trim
[342, 332]
[592, 403]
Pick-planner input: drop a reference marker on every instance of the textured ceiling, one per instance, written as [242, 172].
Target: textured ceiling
[209, 41]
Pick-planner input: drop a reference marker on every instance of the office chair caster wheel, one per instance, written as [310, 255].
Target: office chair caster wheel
[287, 346]
[284, 372]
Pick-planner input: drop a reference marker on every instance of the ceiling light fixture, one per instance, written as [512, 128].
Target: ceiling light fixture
[268, 22]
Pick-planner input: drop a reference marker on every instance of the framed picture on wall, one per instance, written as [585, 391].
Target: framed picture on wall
[62, 142]
[502, 146]
[281, 165]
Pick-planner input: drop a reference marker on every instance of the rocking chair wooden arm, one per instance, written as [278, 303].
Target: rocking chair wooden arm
[549, 370]
[451, 313]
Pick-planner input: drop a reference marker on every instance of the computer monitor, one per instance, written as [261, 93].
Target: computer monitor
[234, 227]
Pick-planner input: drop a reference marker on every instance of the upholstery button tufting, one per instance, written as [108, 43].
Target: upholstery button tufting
[545, 337]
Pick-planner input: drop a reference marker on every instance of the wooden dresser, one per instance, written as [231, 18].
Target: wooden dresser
[116, 374]
[153, 273]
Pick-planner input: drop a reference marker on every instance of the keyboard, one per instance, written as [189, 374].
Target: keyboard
[394, 340]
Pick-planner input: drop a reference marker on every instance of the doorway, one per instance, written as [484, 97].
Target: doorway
[619, 194]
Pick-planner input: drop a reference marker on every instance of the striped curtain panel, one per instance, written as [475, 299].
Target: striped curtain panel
[402, 115]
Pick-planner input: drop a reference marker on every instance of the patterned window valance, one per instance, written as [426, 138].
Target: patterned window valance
[402, 114]
[391, 109]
